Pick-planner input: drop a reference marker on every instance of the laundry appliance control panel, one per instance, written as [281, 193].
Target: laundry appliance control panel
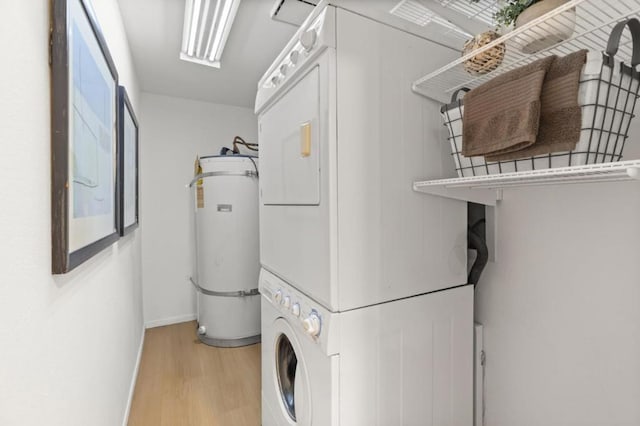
[302, 313]
[310, 319]
[310, 41]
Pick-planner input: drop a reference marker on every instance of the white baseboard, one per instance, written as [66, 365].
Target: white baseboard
[169, 321]
[134, 379]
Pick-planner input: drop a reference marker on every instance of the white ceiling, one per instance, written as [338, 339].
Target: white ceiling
[154, 30]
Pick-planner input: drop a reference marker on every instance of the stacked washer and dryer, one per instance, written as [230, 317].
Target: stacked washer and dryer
[367, 318]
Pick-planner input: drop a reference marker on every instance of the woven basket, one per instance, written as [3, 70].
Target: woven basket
[485, 62]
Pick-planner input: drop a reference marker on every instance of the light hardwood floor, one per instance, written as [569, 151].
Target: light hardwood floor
[182, 382]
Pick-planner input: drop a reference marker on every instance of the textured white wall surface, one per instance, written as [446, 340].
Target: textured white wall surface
[561, 305]
[561, 308]
[176, 130]
[68, 344]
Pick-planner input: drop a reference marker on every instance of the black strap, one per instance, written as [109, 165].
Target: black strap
[455, 103]
[454, 97]
[616, 35]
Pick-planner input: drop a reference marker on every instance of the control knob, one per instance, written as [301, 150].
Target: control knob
[286, 302]
[295, 309]
[275, 80]
[294, 56]
[312, 324]
[278, 296]
[308, 39]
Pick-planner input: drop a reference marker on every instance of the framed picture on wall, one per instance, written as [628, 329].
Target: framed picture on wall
[84, 218]
[127, 163]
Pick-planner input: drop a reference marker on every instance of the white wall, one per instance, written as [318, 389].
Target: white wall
[561, 307]
[176, 130]
[68, 344]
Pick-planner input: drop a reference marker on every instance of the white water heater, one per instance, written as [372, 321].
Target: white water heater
[227, 260]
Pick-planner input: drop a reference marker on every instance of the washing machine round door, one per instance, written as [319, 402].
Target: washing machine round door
[291, 375]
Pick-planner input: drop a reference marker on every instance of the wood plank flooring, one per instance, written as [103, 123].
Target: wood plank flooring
[182, 382]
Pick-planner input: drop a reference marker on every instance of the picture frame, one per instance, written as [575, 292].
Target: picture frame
[84, 82]
[128, 160]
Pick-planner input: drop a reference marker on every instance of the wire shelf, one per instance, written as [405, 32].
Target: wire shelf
[467, 188]
[588, 23]
[481, 11]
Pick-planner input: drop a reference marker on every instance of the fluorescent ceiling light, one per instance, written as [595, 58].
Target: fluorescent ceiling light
[206, 27]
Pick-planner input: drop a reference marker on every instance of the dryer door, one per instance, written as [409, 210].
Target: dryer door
[296, 191]
[291, 378]
[289, 145]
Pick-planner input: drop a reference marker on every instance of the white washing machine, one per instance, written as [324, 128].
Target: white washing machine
[342, 139]
[406, 362]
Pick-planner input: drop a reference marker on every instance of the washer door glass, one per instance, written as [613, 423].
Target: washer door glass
[286, 368]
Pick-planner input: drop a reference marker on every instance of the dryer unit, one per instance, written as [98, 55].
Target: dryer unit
[406, 362]
[342, 139]
[226, 268]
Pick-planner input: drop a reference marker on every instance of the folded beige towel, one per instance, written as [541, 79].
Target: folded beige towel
[503, 114]
[560, 112]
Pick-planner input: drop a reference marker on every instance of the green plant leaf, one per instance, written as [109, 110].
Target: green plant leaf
[508, 14]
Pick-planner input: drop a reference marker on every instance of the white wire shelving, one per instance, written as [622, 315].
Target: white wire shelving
[590, 20]
[487, 190]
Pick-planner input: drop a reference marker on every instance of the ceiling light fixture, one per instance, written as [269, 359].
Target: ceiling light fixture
[206, 27]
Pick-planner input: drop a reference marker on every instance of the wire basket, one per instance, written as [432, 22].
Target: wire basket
[608, 94]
